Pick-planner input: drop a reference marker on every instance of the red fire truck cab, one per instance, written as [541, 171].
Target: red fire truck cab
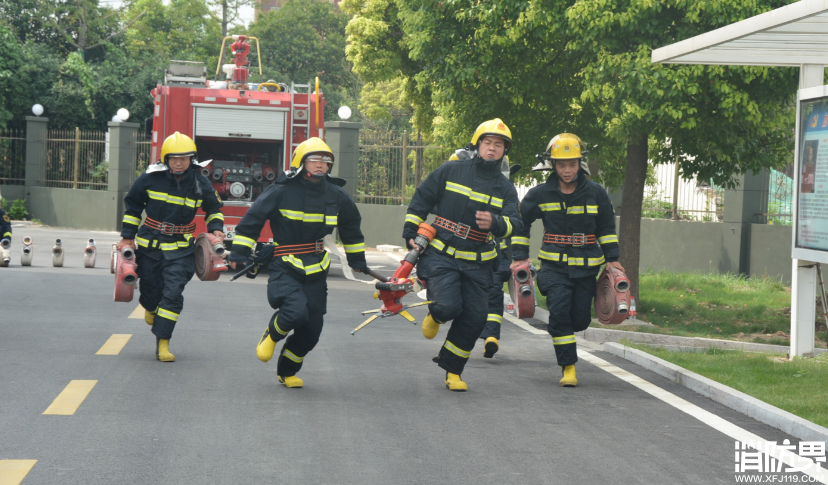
[248, 130]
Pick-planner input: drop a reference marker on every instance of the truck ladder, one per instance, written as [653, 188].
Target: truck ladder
[293, 108]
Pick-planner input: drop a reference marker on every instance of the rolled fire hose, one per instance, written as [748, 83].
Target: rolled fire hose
[5, 254]
[126, 275]
[57, 254]
[113, 258]
[209, 257]
[612, 299]
[90, 254]
[522, 290]
[27, 253]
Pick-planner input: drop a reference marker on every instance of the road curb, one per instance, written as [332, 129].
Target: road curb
[761, 411]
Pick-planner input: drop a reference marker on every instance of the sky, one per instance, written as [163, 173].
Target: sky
[247, 13]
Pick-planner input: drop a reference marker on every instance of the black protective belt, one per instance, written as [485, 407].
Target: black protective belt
[169, 229]
[575, 240]
[463, 231]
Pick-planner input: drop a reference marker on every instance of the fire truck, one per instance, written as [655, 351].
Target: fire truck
[248, 130]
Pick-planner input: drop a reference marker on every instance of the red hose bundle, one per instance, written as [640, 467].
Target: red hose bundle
[612, 300]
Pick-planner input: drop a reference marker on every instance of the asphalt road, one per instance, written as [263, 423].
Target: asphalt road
[374, 409]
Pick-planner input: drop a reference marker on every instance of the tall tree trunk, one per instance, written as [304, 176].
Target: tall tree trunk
[223, 18]
[629, 237]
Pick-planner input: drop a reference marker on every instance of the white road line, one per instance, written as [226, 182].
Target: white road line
[710, 419]
[723, 426]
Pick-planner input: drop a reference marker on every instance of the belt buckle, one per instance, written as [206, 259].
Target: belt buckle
[489, 237]
[580, 237]
[320, 246]
[166, 228]
[462, 230]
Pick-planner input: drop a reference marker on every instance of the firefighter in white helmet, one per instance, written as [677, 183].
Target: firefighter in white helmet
[303, 206]
[579, 236]
[170, 192]
[474, 203]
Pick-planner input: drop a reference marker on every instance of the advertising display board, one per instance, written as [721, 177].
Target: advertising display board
[811, 176]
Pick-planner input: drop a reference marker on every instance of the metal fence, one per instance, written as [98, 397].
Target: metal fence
[76, 159]
[778, 199]
[668, 196]
[13, 156]
[391, 166]
[143, 153]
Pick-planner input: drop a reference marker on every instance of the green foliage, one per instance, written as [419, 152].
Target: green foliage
[18, 210]
[305, 39]
[3, 203]
[10, 65]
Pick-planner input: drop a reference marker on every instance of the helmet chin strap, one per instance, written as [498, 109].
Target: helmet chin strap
[315, 176]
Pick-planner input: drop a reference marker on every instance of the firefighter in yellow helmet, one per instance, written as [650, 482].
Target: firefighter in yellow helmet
[474, 204]
[303, 206]
[579, 236]
[170, 192]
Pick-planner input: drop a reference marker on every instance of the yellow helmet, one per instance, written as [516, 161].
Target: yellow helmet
[495, 127]
[453, 157]
[309, 147]
[178, 145]
[565, 146]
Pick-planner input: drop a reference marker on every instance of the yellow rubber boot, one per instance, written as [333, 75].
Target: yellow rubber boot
[491, 347]
[430, 327]
[568, 379]
[264, 351]
[291, 381]
[454, 383]
[149, 317]
[162, 350]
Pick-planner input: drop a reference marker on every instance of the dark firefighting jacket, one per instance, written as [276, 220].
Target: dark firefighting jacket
[5, 225]
[589, 212]
[166, 200]
[303, 212]
[456, 191]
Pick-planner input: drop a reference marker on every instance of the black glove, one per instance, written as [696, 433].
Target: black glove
[241, 260]
[360, 266]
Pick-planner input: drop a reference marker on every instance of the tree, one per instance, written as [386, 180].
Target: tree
[718, 120]
[302, 40]
[230, 11]
[10, 64]
[85, 25]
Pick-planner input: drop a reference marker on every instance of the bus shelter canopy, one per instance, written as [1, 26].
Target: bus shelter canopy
[788, 36]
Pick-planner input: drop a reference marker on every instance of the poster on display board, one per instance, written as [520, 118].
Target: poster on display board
[811, 166]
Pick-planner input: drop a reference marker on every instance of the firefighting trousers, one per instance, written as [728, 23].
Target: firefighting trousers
[162, 283]
[495, 316]
[569, 301]
[300, 303]
[458, 291]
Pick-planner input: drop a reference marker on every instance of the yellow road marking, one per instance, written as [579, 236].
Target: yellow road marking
[115, 344]
[12, 472]
[70, 398]
[137, 313]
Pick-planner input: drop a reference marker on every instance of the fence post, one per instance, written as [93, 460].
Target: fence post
[404, 164]
[418, 162]
[37, 131]
[77, 154]
[122, 156]
[343, 138]
[675, 189]
[742, 207]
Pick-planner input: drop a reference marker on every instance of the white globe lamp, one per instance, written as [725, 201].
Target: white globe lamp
[344, 112]
[37, 110]
[123, 114]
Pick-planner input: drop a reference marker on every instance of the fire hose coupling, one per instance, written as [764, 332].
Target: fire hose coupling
[90, 254]
[27, 252]
[57, 254]
[407, 287]
[5, 244]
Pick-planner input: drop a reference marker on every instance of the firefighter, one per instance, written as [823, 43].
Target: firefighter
[170, 192]
[5, 226]
[500, 275]
[579, 236]
[474, 203]
[303, 206]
